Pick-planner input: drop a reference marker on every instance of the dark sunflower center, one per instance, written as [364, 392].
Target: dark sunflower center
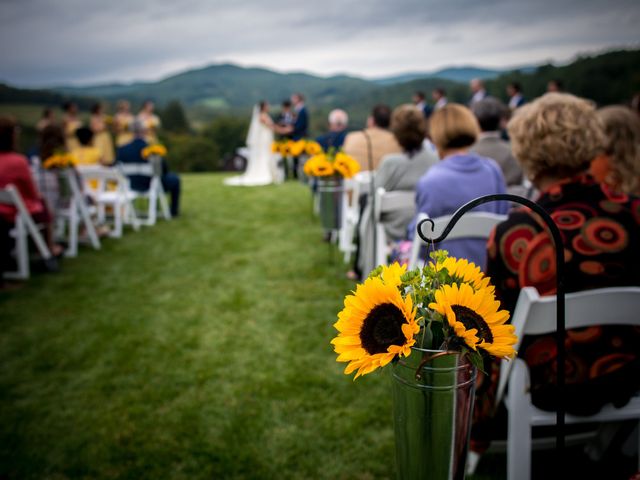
[471, 319]
[382, 328]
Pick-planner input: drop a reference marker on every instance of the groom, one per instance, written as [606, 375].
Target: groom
[300, 125]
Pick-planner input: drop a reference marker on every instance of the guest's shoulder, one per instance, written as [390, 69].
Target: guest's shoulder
[14, 158]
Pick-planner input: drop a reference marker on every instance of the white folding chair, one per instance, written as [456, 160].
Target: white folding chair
[154, 195]
[470, 225]
[112, 191]
[353, 189]
[389, 203]
[535, 315]
[24, 228]
[77, 212]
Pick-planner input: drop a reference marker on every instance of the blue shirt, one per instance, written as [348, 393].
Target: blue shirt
[451, 183]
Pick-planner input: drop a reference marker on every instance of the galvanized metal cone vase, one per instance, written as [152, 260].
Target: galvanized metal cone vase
[432, 414]
[330, 202]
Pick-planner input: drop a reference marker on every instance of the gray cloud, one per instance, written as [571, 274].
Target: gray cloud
[82, 41]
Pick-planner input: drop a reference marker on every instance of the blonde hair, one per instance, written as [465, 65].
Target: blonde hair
[557, 135]
[409, 127]
[622, 145]
[453, 126]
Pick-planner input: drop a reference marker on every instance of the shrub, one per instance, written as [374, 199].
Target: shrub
[189, 153]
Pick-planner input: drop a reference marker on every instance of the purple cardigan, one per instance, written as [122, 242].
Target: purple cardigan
[450, 184]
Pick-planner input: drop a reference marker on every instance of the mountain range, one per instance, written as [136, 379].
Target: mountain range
[230, 89]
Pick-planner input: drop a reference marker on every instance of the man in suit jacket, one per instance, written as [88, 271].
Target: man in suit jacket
[516, 99]
[300, 125]
[334, 138]
[490, 112]
[132, 153]
[419, 100]
[477, 89]
[376, 135]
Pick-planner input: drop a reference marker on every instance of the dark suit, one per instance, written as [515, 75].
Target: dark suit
[301, 125]
[132, 153]
[300, 130]
[332, 139]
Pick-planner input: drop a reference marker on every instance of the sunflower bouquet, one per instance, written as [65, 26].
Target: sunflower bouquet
[448, 305]
[154, 150]
[295, 148]
[331, 164]
[60, 160]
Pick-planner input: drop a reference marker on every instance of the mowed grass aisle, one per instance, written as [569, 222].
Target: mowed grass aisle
[195, 349]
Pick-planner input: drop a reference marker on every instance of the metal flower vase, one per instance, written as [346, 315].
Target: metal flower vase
[433, 396]
[330, 192]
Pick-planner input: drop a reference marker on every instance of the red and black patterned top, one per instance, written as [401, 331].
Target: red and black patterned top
[601, 235]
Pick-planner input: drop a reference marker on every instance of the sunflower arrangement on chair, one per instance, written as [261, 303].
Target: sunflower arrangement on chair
[60, 160]
[154, 150]
[331, 164]
[449, 305]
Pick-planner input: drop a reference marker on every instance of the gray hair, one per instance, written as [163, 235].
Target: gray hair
[489, 111]
[338, 118]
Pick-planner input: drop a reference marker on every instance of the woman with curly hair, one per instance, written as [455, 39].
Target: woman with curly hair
[555, 138]
[619, 164]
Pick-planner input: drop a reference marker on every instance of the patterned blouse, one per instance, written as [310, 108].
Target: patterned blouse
[601, 235]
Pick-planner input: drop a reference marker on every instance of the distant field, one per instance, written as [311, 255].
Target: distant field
[29, 114]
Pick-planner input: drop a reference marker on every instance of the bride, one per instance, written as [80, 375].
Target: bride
[260, 167]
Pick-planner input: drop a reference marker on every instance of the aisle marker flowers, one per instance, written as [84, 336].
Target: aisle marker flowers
[60, 160]
[155, 149]
[331, 163]
[449, 305]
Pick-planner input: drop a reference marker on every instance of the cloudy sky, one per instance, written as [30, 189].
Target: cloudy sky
[47, 42]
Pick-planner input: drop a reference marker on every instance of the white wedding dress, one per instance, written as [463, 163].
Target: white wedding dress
[260, 169]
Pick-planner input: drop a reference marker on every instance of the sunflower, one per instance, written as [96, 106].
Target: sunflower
[346, 165]
[391, 274]
[296, 147]
[156, 149]
[376, 325]
[475, 318]
[275, 147]
[464, 271]
[313, 148]
[318, 166]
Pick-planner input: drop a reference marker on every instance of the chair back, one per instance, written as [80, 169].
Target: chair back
[536, 315]
[386, 203]
[470, 225]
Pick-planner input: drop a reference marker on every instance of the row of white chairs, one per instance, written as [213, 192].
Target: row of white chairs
[112, 192]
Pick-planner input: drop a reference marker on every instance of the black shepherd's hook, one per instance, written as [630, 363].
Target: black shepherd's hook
[560, 289]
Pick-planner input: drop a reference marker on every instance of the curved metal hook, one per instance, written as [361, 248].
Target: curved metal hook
[560, 289]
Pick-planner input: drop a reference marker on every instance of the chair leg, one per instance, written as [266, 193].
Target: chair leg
[117, 220]
[164, 205]
[72, 248]
[519, 425]
[88, 224]
[22, 250]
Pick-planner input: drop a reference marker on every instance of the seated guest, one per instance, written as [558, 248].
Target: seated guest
[51, 142]
[619, 165]
[459, 177]
[86, 153]
[490, 112]
[368, 146]
[338, 121]
[14, 170]
[555, 138]
[132, 153]
[399, 171]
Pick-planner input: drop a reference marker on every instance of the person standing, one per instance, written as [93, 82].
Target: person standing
[516, 99]
[150, 122]
[101, 136]
[439, 96]
[300, 127]
[419, 100]
[70, 123]
[477, 89]
[122, 123]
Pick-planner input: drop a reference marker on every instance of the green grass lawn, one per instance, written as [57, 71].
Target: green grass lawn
[196, 349]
